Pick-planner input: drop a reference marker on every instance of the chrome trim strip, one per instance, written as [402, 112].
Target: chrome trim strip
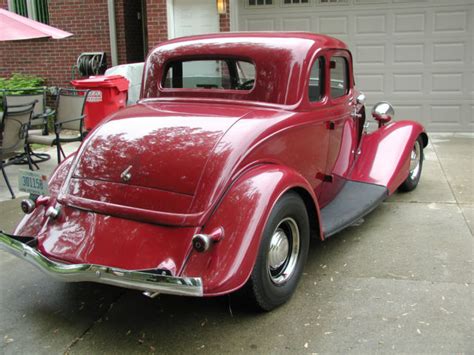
[138, 280]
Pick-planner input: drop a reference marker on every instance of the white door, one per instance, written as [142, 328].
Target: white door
[193, 17]
[417, 54]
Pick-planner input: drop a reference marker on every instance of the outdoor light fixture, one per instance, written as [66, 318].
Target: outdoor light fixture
[221, 7]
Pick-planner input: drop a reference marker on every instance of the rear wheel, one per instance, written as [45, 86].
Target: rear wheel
[416, 164]
[282, 254]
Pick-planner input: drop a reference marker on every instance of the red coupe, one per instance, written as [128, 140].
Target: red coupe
[242, 148]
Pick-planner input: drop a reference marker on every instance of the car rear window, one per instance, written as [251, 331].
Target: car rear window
[212, 74]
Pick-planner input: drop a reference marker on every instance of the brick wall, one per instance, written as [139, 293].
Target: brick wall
[120, 14]
[88, 21]
[53, 59]
[224, 19]
[157, 24]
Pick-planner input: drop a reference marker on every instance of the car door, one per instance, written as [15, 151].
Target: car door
[317, 132]
[340, 123]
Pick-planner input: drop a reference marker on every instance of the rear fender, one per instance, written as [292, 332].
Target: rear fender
[242, 214]
[385, 154]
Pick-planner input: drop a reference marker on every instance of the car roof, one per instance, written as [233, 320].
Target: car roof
[260, 37]
[281, 59]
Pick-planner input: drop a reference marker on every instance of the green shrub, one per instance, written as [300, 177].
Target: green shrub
[17, 82]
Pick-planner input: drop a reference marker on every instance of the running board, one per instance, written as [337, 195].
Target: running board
[354, 201]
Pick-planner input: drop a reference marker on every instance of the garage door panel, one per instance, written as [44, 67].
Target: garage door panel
[446, 114]
[409, 23]
[334, 25]
[408, 83]
[260, 24]
[370, 54]
[470, 117]
[373, 83]
[408, 53]
[408, 112]
[297, 24]
[471, 44]
[371, 24]
[447, 83]
[449, 53]
[418, 54]
[450, 21]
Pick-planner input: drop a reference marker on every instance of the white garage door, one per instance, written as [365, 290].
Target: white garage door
[418, 54]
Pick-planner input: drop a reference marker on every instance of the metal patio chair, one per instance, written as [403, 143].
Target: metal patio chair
[13, 137]
[69, 116]
[24, 96]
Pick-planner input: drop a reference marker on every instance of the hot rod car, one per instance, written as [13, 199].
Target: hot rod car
[241, 148]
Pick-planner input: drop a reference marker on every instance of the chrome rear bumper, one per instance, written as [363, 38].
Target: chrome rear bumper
[138, 280]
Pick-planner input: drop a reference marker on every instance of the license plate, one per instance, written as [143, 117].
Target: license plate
[33, 182]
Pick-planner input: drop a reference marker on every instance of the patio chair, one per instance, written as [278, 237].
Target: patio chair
[69, 116]
[13, 137]
[14, 99]
[23, 96]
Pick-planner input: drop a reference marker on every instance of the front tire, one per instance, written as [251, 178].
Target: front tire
[416, 165]
[282, 254]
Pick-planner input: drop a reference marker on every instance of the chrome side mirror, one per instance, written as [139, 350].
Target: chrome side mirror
[383, 112]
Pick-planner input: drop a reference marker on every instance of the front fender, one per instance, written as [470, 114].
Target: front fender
[385, 154]
[242, 213]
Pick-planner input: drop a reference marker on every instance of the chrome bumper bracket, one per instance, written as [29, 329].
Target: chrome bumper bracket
[134, 279]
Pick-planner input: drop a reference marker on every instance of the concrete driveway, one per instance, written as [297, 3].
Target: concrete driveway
[402, 282]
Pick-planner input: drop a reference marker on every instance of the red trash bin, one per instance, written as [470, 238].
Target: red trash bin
[108, 95]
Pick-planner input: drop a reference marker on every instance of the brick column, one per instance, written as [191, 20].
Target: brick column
[224, 19]
[157, 23]
[120, 29]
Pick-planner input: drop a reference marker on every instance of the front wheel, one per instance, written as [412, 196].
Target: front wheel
[282, 254]
[416, 164]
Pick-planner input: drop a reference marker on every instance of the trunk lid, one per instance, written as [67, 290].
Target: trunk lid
[163, 147]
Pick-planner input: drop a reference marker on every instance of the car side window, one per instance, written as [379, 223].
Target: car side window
[316, 81]
[339, 76]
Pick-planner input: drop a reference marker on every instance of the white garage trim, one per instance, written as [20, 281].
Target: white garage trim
[234, 15]
[170, 18]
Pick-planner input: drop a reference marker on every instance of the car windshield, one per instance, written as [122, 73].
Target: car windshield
[213, 74]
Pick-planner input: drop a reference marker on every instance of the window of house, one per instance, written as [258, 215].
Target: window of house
[33, 9]
[259, 2]
[316, 81]
[295, 2]
[212, 74]
[328, 2]
[339, 77]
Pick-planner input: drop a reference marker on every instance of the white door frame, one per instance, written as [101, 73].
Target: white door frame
[170, 18]
[234, 15]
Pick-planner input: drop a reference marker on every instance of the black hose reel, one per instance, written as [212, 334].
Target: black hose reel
[90, 63]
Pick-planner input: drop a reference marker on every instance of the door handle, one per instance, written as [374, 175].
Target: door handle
[355, 115]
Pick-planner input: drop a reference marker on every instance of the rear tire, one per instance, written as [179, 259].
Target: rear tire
[282, 254]
[416, 165]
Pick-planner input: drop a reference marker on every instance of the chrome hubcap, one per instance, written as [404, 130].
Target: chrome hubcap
[278, 249]
[283, 251]
[415, 160]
